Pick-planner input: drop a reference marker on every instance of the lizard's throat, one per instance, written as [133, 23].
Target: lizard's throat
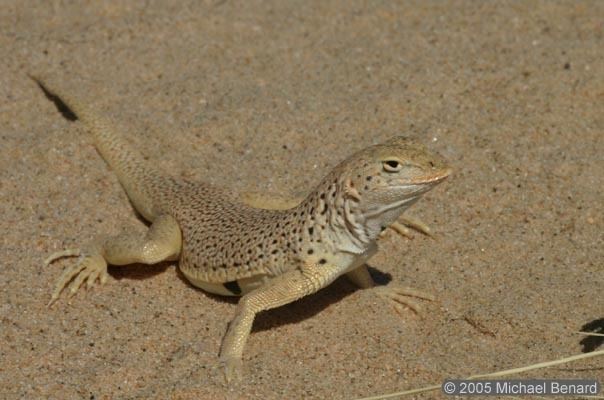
[359, 229]
[400, 206]
[380, 217]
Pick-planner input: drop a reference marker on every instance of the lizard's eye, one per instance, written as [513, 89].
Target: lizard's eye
[392, 165]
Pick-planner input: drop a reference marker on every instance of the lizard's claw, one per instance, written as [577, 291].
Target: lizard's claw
[399, 297]
[232, 367]
[89, 268]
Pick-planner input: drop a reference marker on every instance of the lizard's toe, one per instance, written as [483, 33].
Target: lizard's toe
[406, 224]
[65, 277]
[77, 282]
[400, 229]
[60, 254]
[232, 367]
[92, 277]
[89, 268]
[400, 296]
[104, 276]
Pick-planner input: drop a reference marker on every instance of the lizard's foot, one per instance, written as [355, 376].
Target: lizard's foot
[89, 268]
[399, 297]
[163, 241]
[232, 367]
[403, 227]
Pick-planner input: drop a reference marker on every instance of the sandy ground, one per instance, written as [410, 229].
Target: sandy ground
[270, 95]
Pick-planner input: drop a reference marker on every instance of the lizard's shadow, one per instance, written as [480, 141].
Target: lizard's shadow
[304, 308]
[138, 271]
[61, 106]
[308, 306]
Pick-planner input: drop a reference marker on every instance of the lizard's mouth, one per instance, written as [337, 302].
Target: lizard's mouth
[410, 190]
[420, 184]
[433, 178]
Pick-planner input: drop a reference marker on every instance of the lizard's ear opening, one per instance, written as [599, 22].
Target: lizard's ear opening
[392, 165]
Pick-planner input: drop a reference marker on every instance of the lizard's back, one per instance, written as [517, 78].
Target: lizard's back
[224, 239]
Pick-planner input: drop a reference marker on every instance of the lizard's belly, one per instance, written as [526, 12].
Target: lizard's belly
[237, 287]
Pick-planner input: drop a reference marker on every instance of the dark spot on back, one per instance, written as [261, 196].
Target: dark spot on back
[324, 210]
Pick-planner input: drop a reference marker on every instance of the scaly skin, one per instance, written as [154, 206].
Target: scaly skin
[270, 255]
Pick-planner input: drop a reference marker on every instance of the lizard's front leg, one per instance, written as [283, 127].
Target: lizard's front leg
[162, 242]
[281, 290]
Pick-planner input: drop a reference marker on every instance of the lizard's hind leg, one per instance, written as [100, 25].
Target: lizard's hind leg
[163, 241]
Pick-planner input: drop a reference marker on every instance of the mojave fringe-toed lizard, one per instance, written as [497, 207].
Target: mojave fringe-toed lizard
[269, 251]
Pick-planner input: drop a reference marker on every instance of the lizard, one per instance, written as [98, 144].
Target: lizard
[268, 253]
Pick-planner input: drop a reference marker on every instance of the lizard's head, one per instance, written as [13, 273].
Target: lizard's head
[369, 190]
[383, 180]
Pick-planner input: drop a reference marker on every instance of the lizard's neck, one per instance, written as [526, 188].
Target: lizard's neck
[335, 218]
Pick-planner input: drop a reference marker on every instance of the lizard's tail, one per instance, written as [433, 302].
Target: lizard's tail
[137, 176]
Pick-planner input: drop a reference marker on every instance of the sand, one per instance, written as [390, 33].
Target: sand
[269, 95]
